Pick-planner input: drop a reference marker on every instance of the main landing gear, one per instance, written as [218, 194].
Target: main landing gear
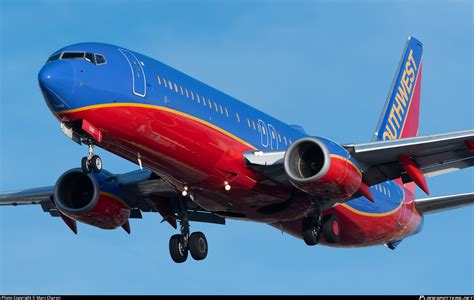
[91, 162]
[313, 226]
[184, 243]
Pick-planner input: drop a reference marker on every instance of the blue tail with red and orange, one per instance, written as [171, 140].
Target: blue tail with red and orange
[400, 115]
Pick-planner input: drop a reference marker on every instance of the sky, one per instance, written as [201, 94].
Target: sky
[325, 65]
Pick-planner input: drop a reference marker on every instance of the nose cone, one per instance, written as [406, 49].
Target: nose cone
[57, 81]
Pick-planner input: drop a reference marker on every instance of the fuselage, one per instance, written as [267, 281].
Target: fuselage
[194, 136]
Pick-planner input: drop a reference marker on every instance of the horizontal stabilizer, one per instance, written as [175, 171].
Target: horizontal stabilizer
[438, 204]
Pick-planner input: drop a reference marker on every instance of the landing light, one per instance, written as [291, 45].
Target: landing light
[227, 186]
[185, 191]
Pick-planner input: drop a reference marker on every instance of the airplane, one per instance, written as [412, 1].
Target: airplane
[205, 156]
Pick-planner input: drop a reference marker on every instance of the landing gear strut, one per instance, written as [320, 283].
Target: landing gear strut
[181, 244]
[91, 162]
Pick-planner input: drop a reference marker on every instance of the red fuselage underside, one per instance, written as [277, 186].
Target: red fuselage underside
[190, 153]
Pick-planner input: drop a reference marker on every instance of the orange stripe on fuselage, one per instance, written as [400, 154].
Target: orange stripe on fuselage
[97, 106]
[108, 105]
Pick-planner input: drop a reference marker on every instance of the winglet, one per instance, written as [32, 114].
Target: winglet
[414, 172]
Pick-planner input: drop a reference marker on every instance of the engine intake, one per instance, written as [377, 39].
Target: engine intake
[312, 168]
[79, 196]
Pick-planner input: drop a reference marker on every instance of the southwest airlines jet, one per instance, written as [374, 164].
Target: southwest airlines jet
[205, 156]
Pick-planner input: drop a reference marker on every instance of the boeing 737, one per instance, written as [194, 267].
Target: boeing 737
[205, 156]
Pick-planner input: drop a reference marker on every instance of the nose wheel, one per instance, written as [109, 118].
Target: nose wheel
[91, 162]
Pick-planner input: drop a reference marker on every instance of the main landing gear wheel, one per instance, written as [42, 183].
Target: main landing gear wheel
[184, 243]
[178, 249]
[311, 230]
[331, 229]
[198, 245]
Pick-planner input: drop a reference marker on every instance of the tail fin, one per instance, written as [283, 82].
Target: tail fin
[400, 115]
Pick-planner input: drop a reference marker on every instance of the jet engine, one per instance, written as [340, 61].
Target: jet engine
[321, 168]
[92, 198]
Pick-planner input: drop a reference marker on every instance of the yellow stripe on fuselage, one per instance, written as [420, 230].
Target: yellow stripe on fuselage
[162, 108]
[98, 106]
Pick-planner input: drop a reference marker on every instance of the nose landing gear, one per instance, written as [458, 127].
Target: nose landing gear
[91, 162]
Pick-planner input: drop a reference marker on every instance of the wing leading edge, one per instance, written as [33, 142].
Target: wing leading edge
[434, 155]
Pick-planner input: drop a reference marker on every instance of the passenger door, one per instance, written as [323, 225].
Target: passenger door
[138, 75]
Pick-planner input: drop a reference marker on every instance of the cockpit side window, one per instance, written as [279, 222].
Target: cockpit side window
[100, 59]
[90, 57]
[54, 57]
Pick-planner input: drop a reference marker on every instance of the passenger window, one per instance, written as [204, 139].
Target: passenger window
[192, 95]
[186, 90]
[181, 89]
[175, 87]
[226, 111]
[164, 81]
[238, 117]
[253, 123]
[100, 59]
[248, 122]
[170, 85]
[209, 101]
[220, 107]
[159, 80]
[215, 106]
[284, 139]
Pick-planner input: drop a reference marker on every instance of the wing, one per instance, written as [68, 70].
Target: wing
[434, 155]
[438, 204]
[379, 161]
[30, 196]
[145, 191]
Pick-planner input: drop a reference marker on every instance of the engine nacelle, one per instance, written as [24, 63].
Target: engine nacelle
[91, 199]
[321, 167]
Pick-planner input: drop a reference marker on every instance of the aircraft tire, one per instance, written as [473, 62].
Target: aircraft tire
[85, 165]
[332, 230]
[96, 163]
[178, 251]
[198, 245]
[309, 232]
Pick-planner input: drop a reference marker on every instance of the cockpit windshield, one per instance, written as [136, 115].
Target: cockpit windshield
[94, 58]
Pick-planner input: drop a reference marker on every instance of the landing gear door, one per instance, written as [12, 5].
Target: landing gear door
[138, 75]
